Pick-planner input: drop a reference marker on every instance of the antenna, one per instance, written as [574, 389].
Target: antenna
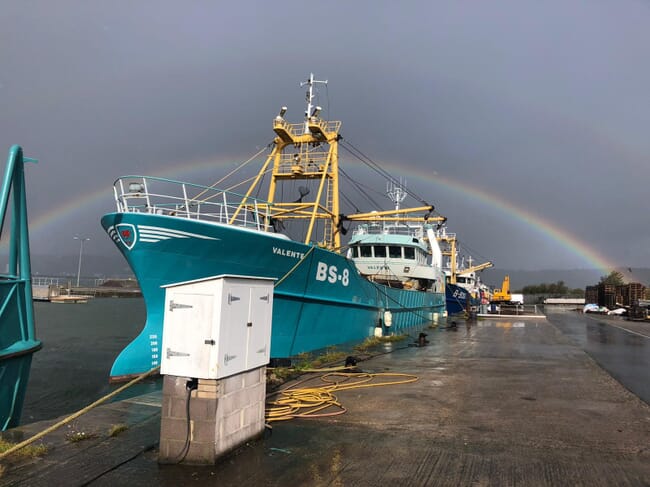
[311, 111]
[396, 193]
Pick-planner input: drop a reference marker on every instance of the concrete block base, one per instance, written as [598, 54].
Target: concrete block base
[223, 415]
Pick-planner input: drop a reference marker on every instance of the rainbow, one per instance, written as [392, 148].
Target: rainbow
[45, 222]
[526, 218]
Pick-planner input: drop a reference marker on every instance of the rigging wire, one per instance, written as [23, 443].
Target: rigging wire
[350, 202]
[243, 164]
[472, 251]
[372, 190]
[376, 167]
[241, 183]
[260, 185]
[359, 188]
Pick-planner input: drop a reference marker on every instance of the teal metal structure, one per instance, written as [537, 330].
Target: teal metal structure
[17, 336]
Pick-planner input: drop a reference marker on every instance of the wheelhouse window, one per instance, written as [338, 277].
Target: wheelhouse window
[395, 252]
[365, 251]
[409, 253]
[380, 251]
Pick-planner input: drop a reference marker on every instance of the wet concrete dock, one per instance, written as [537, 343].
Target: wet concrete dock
[620, 346]
[497, 402]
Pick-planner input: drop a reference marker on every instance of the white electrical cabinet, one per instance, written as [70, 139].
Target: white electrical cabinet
[217, 327]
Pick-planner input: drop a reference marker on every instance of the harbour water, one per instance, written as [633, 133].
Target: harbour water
[80, 343]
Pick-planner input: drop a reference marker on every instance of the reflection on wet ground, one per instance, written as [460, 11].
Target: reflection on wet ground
[497, 402]
[623, 352]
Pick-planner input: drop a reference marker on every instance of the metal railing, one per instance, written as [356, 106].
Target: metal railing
[512, 310]
[161, 196]
[308, 162]
[389, 229]
[46, 281]
[297, 129]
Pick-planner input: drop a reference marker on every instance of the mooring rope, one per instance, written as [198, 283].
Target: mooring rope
[294, 267]
[77, 414]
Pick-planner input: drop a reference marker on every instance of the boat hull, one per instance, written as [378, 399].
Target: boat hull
[457, 299]
[320, 299]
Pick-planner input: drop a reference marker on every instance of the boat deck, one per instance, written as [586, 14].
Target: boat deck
[71, 299]
[494, 405]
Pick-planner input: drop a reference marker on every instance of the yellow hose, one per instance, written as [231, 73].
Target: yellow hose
[310, 402]
[330, 369]
[307, 402]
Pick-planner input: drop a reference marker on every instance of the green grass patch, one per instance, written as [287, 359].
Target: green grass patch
[29, 451]
[372, 342]
[116, 429]
[302, 362]
[77, 436]
[330, 356]
[306, 360]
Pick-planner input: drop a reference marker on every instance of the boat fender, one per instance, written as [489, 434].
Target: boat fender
[388, 319]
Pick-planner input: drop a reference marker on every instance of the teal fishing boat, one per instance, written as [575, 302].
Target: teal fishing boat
[170, 231]
[17, 337]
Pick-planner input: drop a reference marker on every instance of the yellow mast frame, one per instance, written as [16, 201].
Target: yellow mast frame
[451, 253]
[315, 157]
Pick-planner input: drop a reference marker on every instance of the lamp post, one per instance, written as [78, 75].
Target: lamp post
[81, 250]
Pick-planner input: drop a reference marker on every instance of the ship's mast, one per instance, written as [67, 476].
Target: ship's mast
[396, 193]
[308, 151]
[311, 110]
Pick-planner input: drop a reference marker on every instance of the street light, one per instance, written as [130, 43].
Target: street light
[81, 249]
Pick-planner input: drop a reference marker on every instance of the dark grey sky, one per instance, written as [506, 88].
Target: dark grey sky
[543, 105]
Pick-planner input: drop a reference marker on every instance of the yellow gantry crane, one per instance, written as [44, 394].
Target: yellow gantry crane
[449, 249]
[309, 151]
[502, 295]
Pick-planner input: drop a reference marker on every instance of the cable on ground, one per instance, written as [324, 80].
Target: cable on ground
[321, 401]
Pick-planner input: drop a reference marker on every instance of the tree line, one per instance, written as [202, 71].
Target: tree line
[615, 278]
[556, 289]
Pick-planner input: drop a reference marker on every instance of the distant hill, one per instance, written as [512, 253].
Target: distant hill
[573, 278]
[114, 265]
[91, 266]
